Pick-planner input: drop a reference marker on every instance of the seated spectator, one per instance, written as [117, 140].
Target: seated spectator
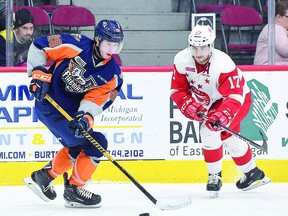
[24, 35]
[2, 20]
[281, 38]
[2, 51]
[2, 35]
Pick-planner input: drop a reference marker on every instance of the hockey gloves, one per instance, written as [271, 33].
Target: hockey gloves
[193, 110]
[40, 83]
[82, 121]
[215, 118]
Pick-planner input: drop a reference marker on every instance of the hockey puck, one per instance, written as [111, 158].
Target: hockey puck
[144, 214]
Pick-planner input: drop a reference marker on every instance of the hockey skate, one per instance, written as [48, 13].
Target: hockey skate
[40, 183]
[78, 197]
[253, 179]
[214, 184]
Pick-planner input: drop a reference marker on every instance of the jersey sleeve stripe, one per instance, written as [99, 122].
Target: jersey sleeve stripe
[62, 51]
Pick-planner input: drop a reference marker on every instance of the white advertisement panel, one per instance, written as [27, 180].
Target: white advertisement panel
[142, 123]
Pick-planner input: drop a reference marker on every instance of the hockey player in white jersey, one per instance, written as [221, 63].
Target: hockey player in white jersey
[206, 81]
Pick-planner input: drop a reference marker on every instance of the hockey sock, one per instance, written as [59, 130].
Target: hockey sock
[245, 162]
[61, 163]
[83, 169]
[213, 159]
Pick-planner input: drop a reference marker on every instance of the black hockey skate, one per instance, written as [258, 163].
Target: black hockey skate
[253, 179]
[40, 183]
[214, 184]
[78, 197]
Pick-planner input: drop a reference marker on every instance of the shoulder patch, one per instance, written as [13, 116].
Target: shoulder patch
[54, 40]
[77, 37]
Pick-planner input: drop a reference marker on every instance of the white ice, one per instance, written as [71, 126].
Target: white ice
[127, 200]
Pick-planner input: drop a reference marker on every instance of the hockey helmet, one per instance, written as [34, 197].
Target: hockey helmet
[201, 35]
[110, 30]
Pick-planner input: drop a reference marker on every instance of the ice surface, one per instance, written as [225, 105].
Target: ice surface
[119, 199]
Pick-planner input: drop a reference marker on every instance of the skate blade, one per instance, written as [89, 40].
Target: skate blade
[257, 184]
[69, 204]
[35, 188]
[213, 194]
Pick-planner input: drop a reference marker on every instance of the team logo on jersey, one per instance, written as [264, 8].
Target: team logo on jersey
[74, 78]
[201, 96]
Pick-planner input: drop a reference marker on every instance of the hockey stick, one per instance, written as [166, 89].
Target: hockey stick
[162, 205]
[263, 147]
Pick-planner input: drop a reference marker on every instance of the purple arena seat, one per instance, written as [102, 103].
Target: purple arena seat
[72, 16]
[233, 20]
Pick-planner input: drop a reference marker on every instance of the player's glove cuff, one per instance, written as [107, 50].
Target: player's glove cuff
[40, 83]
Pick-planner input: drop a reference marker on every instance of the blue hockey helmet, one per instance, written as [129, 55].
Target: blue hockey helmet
[110, 30]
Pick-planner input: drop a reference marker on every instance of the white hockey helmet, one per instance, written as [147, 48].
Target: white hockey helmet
[201, 35]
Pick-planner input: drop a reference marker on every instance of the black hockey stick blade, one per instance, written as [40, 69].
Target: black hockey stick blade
[264, 144]
[263, 147]
[162, 205]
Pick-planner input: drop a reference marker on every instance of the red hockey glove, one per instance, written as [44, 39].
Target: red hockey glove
[82, 121]
[215, 118]
[194, 111]
[40, 83]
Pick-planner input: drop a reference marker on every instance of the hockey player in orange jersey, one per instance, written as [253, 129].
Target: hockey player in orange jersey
[84, 80]
[207, 81]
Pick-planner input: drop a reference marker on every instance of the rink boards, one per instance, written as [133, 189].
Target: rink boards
[147, 134]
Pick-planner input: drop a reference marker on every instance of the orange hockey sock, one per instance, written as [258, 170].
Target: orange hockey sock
[83, 169]
[61, 163]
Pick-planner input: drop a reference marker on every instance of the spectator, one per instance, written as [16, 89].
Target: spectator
[24, 35]
[2, 24]
[281, 38]
[2, 33]
[3, 17]
[2, 51]
[2, 40]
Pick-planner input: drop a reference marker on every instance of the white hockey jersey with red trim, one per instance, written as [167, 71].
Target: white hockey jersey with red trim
[218, 79]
